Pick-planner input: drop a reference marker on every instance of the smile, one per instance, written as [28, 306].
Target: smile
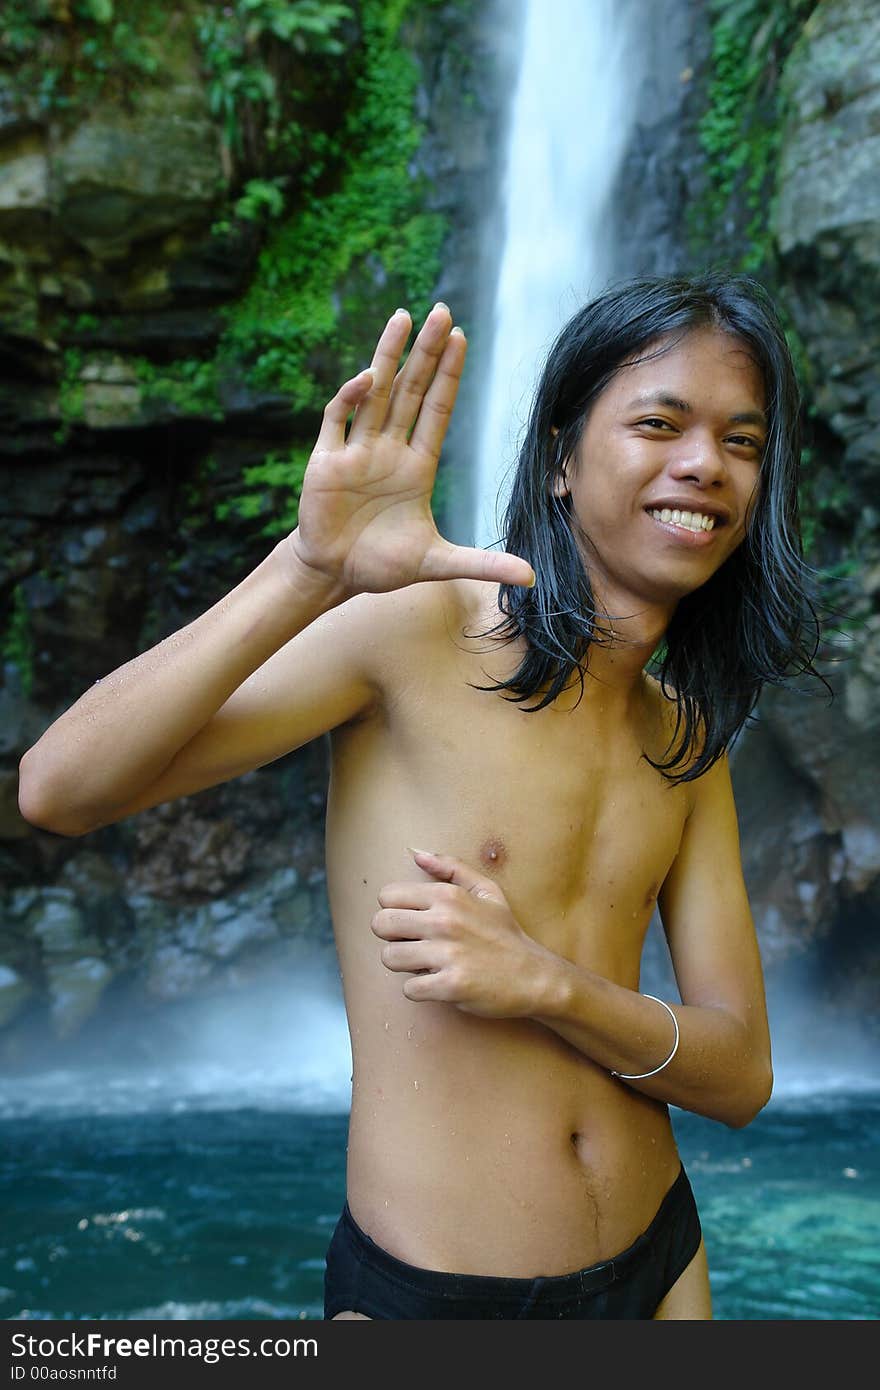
[692, 530]
[692, 521]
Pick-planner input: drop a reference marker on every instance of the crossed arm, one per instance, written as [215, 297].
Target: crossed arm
[460, 943]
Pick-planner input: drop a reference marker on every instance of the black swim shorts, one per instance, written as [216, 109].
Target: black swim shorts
[362, 1277]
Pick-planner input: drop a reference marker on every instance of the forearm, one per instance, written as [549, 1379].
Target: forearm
[123, 732]
[716, 1071]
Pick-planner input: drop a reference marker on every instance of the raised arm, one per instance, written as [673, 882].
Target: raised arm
[280, 659]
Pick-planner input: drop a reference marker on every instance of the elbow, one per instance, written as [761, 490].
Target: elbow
[751, 1102]
[37, 808]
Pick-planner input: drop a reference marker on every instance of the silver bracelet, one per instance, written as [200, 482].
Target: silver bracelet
[640, 1076]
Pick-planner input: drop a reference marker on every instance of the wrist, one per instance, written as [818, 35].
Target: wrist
[305, 578]
[552, 986]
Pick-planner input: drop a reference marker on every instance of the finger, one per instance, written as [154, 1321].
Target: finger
[399, 925]
[415, 377]
[409, 956]
[412, 894]
[372, 410]
[437, 406]
[446, 561]
[450, 870]
[427, 988]
[337, 411]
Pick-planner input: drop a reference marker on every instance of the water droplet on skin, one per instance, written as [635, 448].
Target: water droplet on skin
[409, 1032]
[416, 1084]
[387, 1025]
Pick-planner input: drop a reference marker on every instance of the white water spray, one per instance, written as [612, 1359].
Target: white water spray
[571, 116]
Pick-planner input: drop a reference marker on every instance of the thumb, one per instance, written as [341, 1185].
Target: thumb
[448, 870]
[447, 561]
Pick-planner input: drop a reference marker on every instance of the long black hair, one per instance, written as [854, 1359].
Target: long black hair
[754, 621]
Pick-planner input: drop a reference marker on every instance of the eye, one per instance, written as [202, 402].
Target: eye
[656, 424]
[745, 441]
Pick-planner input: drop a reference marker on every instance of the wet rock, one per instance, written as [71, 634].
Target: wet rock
[12, 826]
[124, 177]
[15, 991]
[827, 215]
[172, 972]
[60, 927]
[75, 988]
[180, 853]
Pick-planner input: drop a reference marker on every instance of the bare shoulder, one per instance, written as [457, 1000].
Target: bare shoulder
[417, 624]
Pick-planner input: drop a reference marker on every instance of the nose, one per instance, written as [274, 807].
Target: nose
[700, 461]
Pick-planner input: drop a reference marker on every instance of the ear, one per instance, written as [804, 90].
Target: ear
[559, 486]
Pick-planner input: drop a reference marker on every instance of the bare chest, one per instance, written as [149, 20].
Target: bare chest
[558, 806]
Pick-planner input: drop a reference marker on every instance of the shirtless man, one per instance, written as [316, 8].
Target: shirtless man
[510, 1148]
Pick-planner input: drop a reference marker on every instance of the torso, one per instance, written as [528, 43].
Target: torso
[478, 1145]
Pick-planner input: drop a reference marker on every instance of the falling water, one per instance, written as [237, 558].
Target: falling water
[569, 123]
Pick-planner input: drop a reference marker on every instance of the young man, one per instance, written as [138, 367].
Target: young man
[510, 1149]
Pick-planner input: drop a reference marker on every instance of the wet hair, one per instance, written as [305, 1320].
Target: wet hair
[754, 621]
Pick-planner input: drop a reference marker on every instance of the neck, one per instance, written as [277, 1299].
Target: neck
[628, 642]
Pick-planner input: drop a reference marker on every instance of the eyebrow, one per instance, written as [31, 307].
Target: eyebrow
[742, 417]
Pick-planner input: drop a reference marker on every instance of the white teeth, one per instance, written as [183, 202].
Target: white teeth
[691, 521]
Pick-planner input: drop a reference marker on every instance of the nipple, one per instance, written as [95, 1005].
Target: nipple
[493, 854]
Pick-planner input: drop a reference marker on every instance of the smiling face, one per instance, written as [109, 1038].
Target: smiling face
[665, 475]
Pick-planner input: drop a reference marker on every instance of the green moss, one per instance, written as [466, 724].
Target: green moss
[18, 644]
[190, 385]
[330, 274]
[740, 130]
[71, 393]
[272, 490]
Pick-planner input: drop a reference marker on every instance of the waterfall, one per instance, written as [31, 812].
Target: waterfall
[572, 113]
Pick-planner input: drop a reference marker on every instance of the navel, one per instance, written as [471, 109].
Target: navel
[493, 854]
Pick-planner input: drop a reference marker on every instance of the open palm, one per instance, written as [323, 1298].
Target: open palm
[365, 511]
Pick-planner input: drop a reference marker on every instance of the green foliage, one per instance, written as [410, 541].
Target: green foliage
[101, 11]
[332, 271]
[273, 489]
[316, 270]
[233, 40]
[18, 643]
[61, 66]
[71, 393]
[740, 130]
[190, 385]
[261, 200]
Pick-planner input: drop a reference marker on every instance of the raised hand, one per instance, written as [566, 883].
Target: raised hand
[365, 517]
